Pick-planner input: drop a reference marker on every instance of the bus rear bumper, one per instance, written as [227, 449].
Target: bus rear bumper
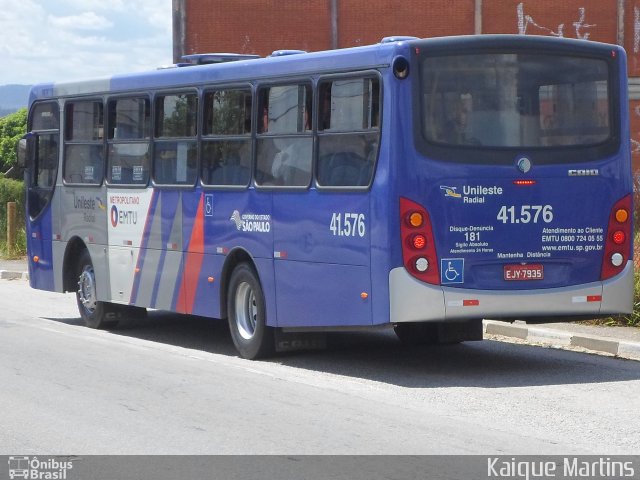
[414, 301]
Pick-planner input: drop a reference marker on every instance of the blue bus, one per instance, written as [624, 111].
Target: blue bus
[419, 184]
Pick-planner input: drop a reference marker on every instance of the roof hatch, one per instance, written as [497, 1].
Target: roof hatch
[209, 58]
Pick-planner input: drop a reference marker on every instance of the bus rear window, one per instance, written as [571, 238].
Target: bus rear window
[515, 100]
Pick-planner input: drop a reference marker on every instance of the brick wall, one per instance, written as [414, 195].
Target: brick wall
[632, 35]
[256, 26]
[363, 22]
[585, 19]
[261, 26]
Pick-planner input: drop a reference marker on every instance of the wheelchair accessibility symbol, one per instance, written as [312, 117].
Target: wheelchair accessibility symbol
[451, 270]
[208, 205]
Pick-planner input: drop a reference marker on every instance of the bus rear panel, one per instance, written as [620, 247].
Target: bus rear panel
[522, 171]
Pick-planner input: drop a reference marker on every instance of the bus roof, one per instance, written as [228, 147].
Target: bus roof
[245, 70]
[371, 56]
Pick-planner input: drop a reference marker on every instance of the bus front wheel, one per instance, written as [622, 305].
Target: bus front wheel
[247, 314]
[96, 314]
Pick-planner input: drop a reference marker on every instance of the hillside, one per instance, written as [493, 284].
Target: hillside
[13, 97]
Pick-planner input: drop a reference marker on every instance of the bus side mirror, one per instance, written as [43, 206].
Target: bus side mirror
[25, 150]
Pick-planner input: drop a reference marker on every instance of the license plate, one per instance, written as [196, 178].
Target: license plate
[532, 271]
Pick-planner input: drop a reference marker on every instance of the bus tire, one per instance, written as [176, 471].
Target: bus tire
[96, 314]
[247, 314]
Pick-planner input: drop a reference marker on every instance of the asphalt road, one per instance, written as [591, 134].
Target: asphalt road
[173, 385]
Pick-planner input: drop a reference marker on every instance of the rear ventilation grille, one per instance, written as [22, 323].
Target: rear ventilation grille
[397, 38]
[284, 53]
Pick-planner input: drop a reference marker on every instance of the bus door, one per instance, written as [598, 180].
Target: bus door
[321, 240]
[82, 200]
[42, 154]
[129, 199]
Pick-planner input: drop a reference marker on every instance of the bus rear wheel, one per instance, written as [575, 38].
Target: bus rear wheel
[247, 314]
[96, 314]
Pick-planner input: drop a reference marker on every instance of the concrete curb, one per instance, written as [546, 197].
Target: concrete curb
[9, 275]
[548, 336]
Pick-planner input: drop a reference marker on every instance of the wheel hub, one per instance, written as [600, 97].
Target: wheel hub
[87, 289]
[246, 311]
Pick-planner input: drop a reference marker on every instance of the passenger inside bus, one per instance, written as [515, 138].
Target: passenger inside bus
[285, 156]
[347, 152]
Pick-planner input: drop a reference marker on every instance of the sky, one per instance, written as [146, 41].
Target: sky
[64, 40]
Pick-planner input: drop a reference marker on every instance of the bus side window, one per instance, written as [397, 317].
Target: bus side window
[285, 142]
[176, 148]
[129, 127]
[84, 148]
[47, 164]
[226, 145]
[348, 131]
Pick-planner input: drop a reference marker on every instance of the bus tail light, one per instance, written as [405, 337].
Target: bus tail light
[618, 237]
[419, 242]
[617, 247]
[418, 246]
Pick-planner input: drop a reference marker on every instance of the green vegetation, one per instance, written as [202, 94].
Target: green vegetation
[12, 128]
[12, 191]
[633, 319]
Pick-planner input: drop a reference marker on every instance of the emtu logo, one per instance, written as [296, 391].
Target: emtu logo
[123, 217]
[114, 216]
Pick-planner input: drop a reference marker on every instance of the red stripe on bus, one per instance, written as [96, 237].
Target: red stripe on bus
[193, 263]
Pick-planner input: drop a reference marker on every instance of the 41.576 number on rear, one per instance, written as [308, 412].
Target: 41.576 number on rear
[526, 214]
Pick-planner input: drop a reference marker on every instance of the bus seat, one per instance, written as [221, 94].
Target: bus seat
[232, 174]
[365, 174]
[236, 174]
[345, 169]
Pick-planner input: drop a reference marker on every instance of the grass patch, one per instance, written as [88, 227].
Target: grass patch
[18, 251]
[12, 191]
[632, 319]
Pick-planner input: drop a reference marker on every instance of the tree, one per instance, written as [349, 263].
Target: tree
[12, 128]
